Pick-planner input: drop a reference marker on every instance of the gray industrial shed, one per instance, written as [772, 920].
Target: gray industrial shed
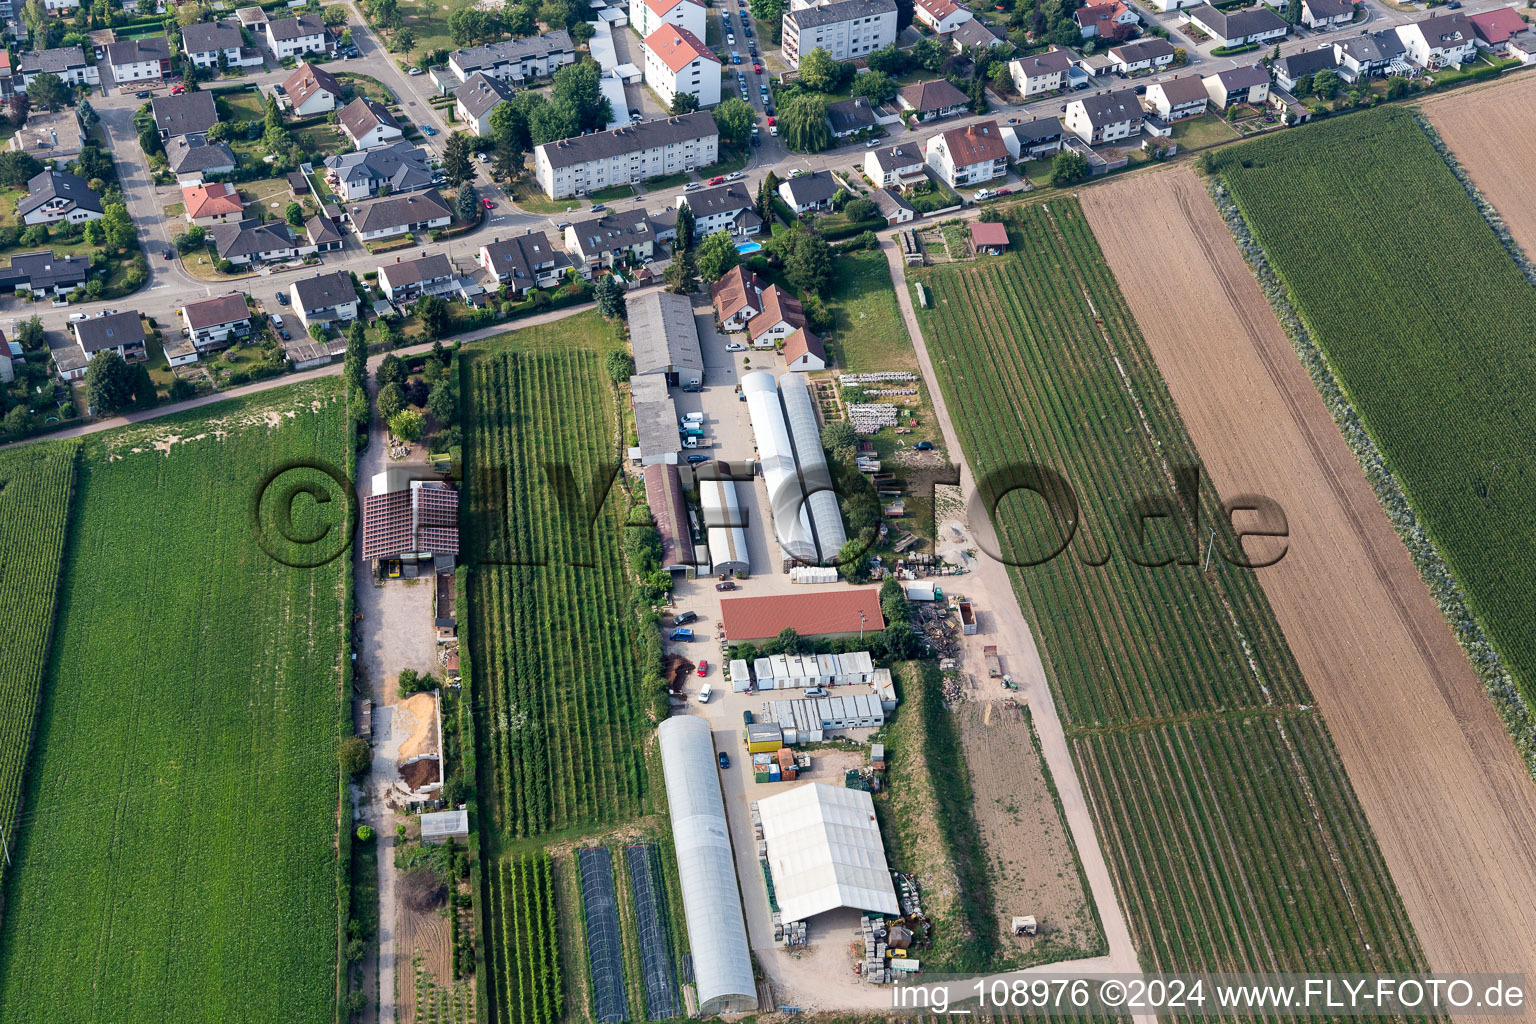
[717, 931]
[655, 419]
[665, 338]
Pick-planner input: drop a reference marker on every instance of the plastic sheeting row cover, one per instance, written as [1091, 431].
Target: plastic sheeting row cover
[717, 932]
[605, 952]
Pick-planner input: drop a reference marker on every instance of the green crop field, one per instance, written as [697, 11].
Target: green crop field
[550, 634]
[36, 485]
[1234, 837]
[177, 858]
[523, 944]
[1427, 323]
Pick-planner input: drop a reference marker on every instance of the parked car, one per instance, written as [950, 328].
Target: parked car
[735, 346]
[924, 446]
[816, 691]
[795, 172]
[725, 759]
[747, 718]
[142, 94]
[695, 459]
[703, 668]
[429, 129]
[757, 140]
[774, 130]
[177, 90]
[1141, 90]
[681, 635]
[633, 112]
[76, 316]
[735, 175]
[488, 204]
[683, 618]
[705, 692]
[726, 585]
[284, 335]
[282, 298]
[598, 207]
[167, 254]
[730, 39]
[1003, 192]
[718, 179]
[277, 321]
[413, 71]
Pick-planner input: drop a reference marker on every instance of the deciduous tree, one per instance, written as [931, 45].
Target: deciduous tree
[716, 255]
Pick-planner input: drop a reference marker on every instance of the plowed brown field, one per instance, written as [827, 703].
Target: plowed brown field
[1482, 127]
[1445, 792]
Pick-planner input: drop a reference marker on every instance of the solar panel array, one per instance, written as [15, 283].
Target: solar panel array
[661, 1001]
[605, 950]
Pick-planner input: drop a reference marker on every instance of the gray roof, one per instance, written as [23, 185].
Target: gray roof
[402, 164]
[613, 231]
[1112, 107]
[905, 154]
[294, 28]
[190, 113]
[850, 115]
[1307, 62]
[52, 61]
[630, 139]
[1446, 29]
[321, 230]
[50, 185]
[1143, 49]
[975, 32]
[250, 238]
[423, 268]
[841, 10]
[364, 114]
[1373, 47]
[934, 95]
[816, 187]
[481, 93]
[1235, 24]
[1331, 8]
[727, 198]
[211, 35]
[1184, 89]
[512, 51]
[397, 211]
[1038, 129]
[520, 257]
[324, 291]
[193, 153]
[103, 332]
[1048, 63]
[43, 270]
[655, 414]
[1243, 78]
[136, 51]
[888, 202]
[663, 333]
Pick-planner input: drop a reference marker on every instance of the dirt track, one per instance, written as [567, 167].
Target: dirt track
[1445, 792]
[1482, 128]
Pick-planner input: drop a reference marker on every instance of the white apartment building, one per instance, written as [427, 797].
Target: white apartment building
[1042, 73]
[844, 28]
[623, 156]
[677, 61]
[650, 15]
[294, 37]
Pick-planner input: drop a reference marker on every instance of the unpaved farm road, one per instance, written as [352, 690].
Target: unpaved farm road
[1014, 637]
[1476, 124]
[1439, 778]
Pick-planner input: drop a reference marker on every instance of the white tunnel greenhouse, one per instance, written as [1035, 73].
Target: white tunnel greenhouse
[815, 475]
[776, 454]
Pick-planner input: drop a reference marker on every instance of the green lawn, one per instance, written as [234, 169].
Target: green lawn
[667, 181]
[428, 19]
[604, 195]
[243, 104]
[1192, 133]
[731, 159]
[185, 868]
[365, 85]
[527, 194]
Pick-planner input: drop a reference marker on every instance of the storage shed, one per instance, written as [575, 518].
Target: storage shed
[669, 508]
[437, 827]
[741, 676]
[824, 852]
[724, 521]
[764, 737]
[815, 476]
[665, 338]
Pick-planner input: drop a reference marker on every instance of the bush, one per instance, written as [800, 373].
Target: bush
[364, 833]
[354, 755]
[412, 681]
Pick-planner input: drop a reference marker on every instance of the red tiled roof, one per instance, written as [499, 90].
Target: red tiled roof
[938, 9]
[778, 306]
[664, 495]
[1496, 26]
[975, 144]
[307, 80]
[661, 7]
[222, 309]
[677, 47]
[802, 342]
[737, 290]
[820, 613]
[989, 234]
[211, 200]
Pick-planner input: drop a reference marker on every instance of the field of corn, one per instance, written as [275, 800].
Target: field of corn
[1235, 839]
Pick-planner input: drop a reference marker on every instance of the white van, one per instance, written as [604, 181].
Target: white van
[694, 417]
[705, 692]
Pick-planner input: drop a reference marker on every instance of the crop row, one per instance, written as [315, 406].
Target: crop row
[524, 944]
[36, 485]
[1426, 323]
[556, 661]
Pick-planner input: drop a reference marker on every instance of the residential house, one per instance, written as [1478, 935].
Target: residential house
[846, 29]
[10, 82]
[57, 6]
[253, 18]
[623, 156]
[192, 157]
[294, 37]
[190, 113]
[325, 298]
[408, 280]
[217, 322]
[54, 196]
[1040, 73]
[516, 60]
[932, 101]
[1370, 54]
[207, 43]
[1239, 85]
[1164, 6]
[894, 208]
[1325, 14]
[737, 298]
[1105, 117]
[49, 137]
[809, 192]
[969, 155]
[1178, 98]
[652, 14]
[218, 203]
[976, 32]
[311, 90]
[44, 274]
[400, 167]
[252, 241]
[475, 99]
[1143, 56]
[68, 62]
[612, 239]
[781, 316]
[988, 239]
[1292, 68]
[1239, 28]
[1107, 19]
[729, 207]
[898, 166]
[524, 261]
[849, 117]
[122, 333]
[941, 16]
[323, 234]
[367, 123]
[1034, 139]
[804, 352]
[400, 214]
[139, 60]
[677, 61]
[1502, 31]
[1439, 40]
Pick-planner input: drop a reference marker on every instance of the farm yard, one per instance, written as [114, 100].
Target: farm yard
[1447, 415]
[178, 858]
[1472, 122]
[36, 486]
[1172, 676]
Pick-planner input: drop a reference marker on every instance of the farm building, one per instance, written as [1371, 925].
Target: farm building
[801, 671]
[849, 611]
[724, 521]
[990, 239]
[438, 827]
[655, 420]
[664, 495]
[825, 852]
[414, 523]
[812, 719]
[665, 338]
[717, 932]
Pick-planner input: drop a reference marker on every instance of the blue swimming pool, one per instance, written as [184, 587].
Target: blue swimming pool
[746, 247]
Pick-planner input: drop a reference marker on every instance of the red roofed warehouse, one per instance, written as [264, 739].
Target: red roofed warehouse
[845, 612]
